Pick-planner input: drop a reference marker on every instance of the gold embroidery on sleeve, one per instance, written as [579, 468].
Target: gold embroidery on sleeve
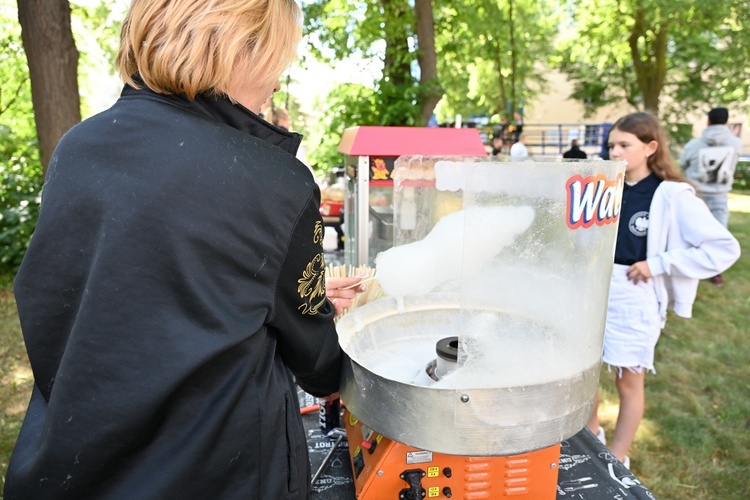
[312, 288]
[318, 232]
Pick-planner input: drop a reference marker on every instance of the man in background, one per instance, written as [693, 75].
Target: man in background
[575, 153]
[709, 162]
[280, 118]
[519, 151]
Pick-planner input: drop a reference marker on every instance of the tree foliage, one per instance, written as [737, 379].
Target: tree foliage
[640, 51]
[491, 56]
[20, 169]
[346, 105]
[381, 30]
[493, 53]
[96, 30]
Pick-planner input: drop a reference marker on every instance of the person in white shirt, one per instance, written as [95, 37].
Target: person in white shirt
[519, 151]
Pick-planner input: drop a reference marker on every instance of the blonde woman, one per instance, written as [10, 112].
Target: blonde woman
[667, 240]
[175, 279]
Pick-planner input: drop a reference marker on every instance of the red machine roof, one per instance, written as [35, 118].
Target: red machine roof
[397, 141]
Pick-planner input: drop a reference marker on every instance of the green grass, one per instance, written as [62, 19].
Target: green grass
[694, 441]
[15, 378]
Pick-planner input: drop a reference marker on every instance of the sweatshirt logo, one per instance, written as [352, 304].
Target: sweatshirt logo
[593, 200]
[638, 224]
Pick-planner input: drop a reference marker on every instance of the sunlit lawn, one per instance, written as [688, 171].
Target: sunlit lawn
[694, 442]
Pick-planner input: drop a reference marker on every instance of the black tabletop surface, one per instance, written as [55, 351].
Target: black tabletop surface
[587, 469]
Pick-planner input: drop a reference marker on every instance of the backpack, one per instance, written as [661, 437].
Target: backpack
[716, 165]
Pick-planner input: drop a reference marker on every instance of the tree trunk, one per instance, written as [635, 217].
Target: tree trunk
[53, 67]
[650, 63]
[513, 63]
[428, 79]
[397, 66]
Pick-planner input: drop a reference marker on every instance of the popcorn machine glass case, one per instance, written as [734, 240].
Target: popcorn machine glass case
[370, 155]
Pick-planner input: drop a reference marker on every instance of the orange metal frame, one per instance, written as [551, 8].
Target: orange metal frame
[384, 469]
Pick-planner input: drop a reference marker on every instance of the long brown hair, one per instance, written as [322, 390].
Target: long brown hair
[646, 127]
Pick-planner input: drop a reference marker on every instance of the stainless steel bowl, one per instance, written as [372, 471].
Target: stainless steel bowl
[479, 418]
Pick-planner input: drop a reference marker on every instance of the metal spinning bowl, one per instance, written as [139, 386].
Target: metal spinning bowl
[474, 421]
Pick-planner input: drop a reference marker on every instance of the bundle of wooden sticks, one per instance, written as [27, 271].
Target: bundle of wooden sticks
[373, 292]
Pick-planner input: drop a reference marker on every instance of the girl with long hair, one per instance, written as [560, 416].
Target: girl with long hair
[667, 241]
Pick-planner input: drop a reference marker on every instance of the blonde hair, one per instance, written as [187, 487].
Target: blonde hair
[199, 46]
[646, 127]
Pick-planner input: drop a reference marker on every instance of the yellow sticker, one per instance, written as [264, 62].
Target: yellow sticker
[433, 491]
[433, 471]
[352, 420]
[379, 438]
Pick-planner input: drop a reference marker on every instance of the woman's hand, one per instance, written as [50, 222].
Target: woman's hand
[639, 272]
[339, 292]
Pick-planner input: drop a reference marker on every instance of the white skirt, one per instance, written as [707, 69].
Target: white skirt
[633, 323]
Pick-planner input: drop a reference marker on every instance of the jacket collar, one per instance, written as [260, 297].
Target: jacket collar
[221, 109]
[645, 185]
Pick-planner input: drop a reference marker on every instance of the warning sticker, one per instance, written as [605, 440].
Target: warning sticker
[418, 457]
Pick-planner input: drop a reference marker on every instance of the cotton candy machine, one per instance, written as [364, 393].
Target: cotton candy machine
[487, 345]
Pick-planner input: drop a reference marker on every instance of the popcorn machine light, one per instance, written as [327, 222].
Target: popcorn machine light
[370, 153]
[485, 352]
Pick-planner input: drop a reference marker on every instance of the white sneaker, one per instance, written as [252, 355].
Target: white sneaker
[601, 437]
[626, 462]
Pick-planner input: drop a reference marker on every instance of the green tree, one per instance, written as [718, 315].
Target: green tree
[385, 31]
[493, 53]
[53, 67]
[640, 51]
[346, 105]
[397, 33]
[20, 169]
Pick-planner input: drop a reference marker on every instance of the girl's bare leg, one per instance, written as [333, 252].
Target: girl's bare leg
[630, 386]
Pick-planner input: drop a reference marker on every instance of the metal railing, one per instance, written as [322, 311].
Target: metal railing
[553, 139]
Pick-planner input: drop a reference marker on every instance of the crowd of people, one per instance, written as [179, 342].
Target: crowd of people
[174, 291]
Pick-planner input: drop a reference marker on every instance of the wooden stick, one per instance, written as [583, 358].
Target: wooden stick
[358, 283]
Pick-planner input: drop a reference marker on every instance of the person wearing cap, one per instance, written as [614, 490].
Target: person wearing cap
[709, 162]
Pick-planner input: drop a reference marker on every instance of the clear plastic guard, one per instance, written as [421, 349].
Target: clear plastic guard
[534, 283]
[515, 260]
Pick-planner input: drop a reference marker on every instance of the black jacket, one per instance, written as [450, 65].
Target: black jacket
[575, 153]
[175, 273]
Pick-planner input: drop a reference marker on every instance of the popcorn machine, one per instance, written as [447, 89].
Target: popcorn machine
[484, 352]
[370, 154]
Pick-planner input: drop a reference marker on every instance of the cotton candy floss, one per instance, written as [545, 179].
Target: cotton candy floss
[418, 268]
